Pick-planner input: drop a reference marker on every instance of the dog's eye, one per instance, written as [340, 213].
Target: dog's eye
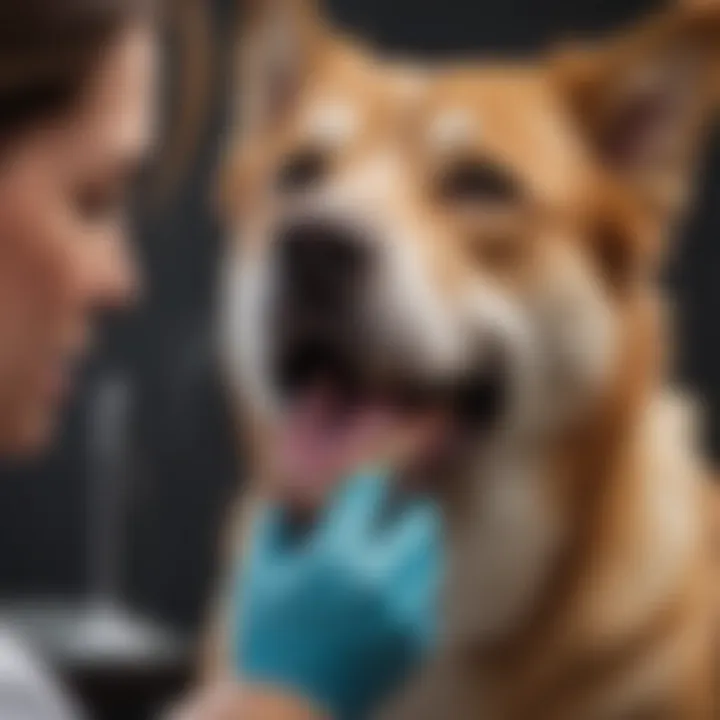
[478, 181]
[301, 170]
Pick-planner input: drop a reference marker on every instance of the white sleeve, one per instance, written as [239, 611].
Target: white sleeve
[27, 692]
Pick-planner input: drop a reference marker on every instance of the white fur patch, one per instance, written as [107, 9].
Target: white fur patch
[499, 559]
[666, 531]
[332, 122]
[244, 334]
[416, 327]
[451, 130]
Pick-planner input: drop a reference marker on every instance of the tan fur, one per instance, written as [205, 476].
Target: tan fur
[612, 607]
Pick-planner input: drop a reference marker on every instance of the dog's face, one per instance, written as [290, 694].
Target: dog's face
[456, 241]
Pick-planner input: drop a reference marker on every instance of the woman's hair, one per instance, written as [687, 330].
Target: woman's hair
[48, 48]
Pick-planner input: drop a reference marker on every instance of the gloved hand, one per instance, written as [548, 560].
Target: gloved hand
[342, 616]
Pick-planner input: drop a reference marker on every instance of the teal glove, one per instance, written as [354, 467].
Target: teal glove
[343, 616]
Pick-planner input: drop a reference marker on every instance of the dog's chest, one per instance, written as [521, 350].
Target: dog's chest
[499, 552]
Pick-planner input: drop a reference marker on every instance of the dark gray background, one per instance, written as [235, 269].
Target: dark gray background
[182, 468]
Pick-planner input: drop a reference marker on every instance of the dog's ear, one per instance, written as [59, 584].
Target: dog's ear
[280, 40]
[645, 100]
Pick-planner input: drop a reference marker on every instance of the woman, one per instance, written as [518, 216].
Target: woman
[77, 120]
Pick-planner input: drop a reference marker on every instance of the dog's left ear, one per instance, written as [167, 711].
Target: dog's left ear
[280, 42]
[645, 101]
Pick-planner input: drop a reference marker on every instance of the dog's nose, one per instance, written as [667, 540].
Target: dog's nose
[321, 261]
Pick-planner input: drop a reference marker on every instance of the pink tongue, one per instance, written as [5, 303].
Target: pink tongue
[322, 437]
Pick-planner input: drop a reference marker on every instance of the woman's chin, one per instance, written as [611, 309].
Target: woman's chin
[28, 435]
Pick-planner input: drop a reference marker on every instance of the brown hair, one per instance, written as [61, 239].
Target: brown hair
[49, 47]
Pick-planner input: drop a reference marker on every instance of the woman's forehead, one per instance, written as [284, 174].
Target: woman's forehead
[117, 114]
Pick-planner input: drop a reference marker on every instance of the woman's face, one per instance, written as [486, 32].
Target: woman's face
[64, 251]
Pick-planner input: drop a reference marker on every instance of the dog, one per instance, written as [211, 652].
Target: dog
[480, 243]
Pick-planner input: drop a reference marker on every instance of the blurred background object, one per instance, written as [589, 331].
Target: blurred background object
[108, 545]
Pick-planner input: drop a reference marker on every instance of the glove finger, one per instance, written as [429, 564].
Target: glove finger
[417, 582]
[352, 512]
[268, 534]
[417, 527]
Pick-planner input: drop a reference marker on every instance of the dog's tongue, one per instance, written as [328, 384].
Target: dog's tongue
[324, 436]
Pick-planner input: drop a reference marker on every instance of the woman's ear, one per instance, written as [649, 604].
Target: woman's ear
[645, 100]
[280, 41]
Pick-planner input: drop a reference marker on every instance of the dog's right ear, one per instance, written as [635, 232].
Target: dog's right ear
[280, 43]
[646, 100]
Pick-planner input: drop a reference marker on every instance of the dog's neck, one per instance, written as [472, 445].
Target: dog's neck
[502, 537]
[539, 523]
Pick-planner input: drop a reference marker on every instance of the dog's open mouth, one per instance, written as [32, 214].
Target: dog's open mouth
[338, 416]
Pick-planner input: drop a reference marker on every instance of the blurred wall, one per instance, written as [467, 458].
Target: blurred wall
[173, 441]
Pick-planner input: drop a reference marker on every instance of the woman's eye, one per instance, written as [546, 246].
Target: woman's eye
[302, 170]
[98, 203]
[478, 181]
